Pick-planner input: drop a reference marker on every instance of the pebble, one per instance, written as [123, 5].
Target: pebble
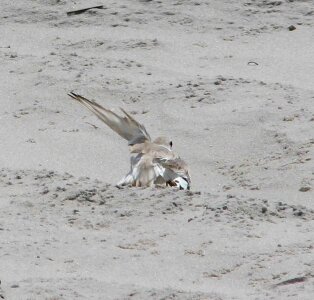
[304, 189]
[292, 27]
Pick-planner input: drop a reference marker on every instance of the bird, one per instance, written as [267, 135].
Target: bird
[152, 162]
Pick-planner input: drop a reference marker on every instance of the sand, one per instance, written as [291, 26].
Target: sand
[227, 81]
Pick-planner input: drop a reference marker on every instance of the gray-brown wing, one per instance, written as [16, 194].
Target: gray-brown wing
[127, 127]
[177, 165]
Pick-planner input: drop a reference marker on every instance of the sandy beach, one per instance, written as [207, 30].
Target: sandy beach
[230, 82]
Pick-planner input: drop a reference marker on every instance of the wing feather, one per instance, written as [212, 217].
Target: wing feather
[176, 165]
[127, 127]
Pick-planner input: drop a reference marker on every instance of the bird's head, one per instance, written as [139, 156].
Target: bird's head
[164, 141]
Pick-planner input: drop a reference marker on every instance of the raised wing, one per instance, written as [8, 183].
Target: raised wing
[127, 127]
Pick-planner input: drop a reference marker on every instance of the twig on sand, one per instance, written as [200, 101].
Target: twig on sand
[80, 11]
[292, 281]
[96, 127]
[290, 163]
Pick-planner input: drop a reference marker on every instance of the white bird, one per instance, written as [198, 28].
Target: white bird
[152, 162]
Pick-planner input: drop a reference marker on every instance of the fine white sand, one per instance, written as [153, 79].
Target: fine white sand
[232, 87]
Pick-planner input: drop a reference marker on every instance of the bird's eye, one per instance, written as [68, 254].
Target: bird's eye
[170, 144]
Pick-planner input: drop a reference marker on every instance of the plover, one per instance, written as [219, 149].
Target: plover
[152, 162]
